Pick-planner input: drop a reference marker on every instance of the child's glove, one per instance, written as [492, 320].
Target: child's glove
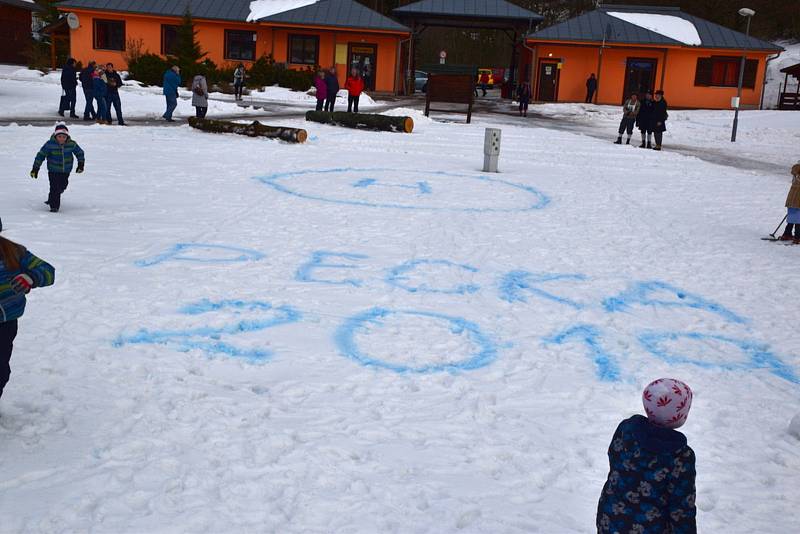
[34, 173]
[22, 284]
[80, 167]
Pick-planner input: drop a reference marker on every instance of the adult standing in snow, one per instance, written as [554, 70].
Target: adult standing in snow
[200, 96]
[355, 86]
[660, 117]
[114, 82]
[793, 208]
[524, 97]
[60, 151]
[644, 120]
[591, 87]
[651, 480]
[332, 81]
[20, 271]
[172, 80]
[87, 82]
[69, 84]
[484, 79]
[322, 90]
[100, 92]
[238, 81]
[630, 110]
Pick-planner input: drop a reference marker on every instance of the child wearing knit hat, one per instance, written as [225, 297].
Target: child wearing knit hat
[651, 481]
[60, 151]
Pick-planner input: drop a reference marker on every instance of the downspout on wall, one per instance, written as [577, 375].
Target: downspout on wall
[764, 83]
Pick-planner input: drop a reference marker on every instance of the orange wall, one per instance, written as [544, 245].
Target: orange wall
[578, 61]
[211, 36]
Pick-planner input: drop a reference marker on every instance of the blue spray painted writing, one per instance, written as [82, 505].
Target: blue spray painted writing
[514, 283]
[221, 254]
[304, 272]
[397, 278]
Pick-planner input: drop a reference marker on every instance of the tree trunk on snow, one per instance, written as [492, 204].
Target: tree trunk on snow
[369, 121]
[254, 129]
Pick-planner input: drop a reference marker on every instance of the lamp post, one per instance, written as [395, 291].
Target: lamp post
[748, 14]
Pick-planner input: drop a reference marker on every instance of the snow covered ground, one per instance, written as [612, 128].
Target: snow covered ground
[775, 78]
[366, 334]
[19, 87]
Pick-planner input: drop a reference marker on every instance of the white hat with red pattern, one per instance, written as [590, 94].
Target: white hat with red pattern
[667, 402]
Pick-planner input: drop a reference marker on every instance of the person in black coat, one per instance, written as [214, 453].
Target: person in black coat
[591, 87]
[660, 117]
[332, 83]
[112, 97]
[69, 82]
[88, 93]
[644, 120]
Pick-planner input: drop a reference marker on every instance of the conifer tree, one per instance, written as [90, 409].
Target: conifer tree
[187, 49]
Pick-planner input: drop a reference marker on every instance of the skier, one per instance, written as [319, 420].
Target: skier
[793, 208]
[644, 120]
[524, 97]
[333, 89]
[60, 152]
[322, 90]
[591, 87]
[86, 84]
[200, 96]
[170, 84]
[20, 271]
[69, 83]
[659, 119]
[238, 81]
[651, 482]
[630, 110]
[355, 86]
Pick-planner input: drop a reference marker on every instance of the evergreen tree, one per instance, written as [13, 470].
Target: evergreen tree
[187, 49]
[49, 14]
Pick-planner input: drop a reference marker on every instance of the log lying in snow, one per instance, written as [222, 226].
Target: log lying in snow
[254, 129]
[370, 121]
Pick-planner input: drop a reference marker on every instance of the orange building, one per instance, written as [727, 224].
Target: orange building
[634, 49]
[343, 33]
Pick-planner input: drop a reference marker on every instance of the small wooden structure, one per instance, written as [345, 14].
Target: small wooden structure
[58, 34]
[15, 30]
[786, 99]
[451, 85]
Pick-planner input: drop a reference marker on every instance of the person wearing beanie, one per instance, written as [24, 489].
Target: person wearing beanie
[793, 208]
[650, 487]
[60, 151]
[20, 271]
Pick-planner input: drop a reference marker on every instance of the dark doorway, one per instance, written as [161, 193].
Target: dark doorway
[364, 58]
[547, 90]
[640, 77]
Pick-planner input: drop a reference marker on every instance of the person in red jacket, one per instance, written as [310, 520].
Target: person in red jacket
[355, 86]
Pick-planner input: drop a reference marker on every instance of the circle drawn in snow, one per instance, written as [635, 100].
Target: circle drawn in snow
[485, 349]
[408, 189]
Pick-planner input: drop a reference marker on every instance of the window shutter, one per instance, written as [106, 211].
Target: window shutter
[702, 75]
[750, 70]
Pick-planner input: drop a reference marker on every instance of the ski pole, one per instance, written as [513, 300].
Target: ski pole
[779, 226]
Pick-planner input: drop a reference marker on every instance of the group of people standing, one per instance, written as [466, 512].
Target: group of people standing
[649, 115]
[200, 92]
[100, 84]
[326, 84]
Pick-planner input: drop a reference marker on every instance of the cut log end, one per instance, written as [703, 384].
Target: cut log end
[302, 135]
[408, 125]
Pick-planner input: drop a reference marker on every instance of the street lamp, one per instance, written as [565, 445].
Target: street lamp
[748, 14]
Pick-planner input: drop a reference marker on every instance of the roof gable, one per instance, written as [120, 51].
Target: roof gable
[337, 13]
[479, 9]
[599, 26]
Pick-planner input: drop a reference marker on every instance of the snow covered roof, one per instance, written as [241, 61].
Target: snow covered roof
[649, 25]
[336, 14]
[260, 9]
[237, 10]
[476, 9]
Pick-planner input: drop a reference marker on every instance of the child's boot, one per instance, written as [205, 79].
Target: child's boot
[618, 141]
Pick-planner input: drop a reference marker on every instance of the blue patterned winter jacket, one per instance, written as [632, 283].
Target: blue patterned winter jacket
[59, 157]
[12, 305]
[650, 487]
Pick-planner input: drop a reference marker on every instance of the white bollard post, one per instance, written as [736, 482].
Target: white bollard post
[491, 149]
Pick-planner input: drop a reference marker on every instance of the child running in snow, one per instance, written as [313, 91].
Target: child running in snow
[650, 487]
[20, 271]
[59, 152]
[793, 208]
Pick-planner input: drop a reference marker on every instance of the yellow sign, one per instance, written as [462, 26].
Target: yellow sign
[341, 54]
[363, 50]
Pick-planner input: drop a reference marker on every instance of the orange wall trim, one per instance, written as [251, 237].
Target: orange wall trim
[675, 73]
[269, 40]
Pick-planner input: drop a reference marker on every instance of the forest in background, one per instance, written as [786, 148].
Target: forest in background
[775, 19]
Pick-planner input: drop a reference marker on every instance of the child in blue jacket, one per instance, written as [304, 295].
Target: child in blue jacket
[650, 487]
[60, 152]
[20, 271]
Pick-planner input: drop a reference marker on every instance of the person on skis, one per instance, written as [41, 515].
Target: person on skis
[60, 152]
[793, 208]
[630, 109]
[20, 271]
[650, 487]
[644, 120]
[659, 118]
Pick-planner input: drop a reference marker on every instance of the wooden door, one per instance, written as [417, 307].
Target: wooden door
[547, 89]
[640, 77]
